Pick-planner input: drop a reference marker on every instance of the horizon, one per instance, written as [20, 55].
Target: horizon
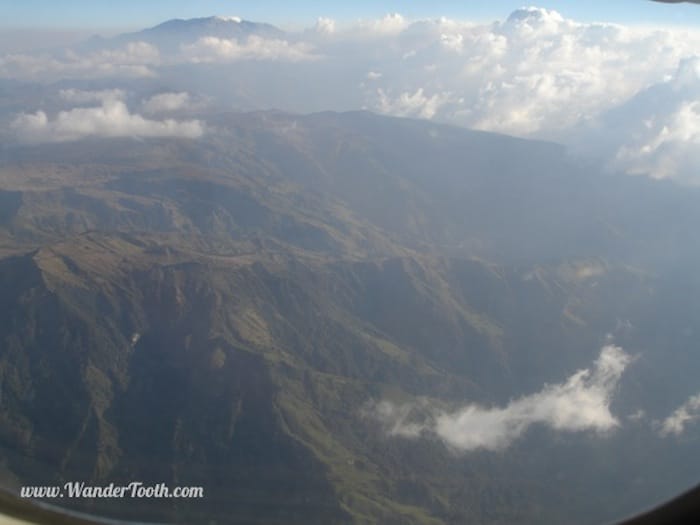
[40, 24]
[82, 16]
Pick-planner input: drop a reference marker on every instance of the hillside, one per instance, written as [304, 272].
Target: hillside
[228, 312]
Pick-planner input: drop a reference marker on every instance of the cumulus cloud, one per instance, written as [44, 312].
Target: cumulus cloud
[213, 49]
[164, 102]
[416, 104]
[581, 403]
[675, 423]
[669, 148]
[325, 26]
[111, 119]
[539, 72]
[657, 133]
[390, 24]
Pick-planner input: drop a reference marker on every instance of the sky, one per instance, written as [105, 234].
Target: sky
[84, 15]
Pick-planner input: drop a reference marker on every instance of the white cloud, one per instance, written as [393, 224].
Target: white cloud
[389, 24]
[111, 119]
[325, 26]
[454, 42]
[658, 132]
[655, 133]
[670, 149]
[164, 102]
[416, 104]
[213, 49]
[134, 53]
[675, 423]
[581, 403]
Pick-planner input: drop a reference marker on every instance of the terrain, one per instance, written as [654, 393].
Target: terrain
[228, 311]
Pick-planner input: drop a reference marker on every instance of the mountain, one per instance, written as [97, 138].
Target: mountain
[169, 36]
[226, 311]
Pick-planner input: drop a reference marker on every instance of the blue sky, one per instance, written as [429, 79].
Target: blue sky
[95, 15]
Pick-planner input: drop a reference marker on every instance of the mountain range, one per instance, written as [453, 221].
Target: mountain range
[225, 312]
[333, 317]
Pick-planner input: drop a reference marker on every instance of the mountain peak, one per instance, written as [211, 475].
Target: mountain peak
[171, 34]
[204, 22]
[224, 18]
[219, 25]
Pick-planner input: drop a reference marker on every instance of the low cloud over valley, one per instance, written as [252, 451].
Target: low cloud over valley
[579, 404]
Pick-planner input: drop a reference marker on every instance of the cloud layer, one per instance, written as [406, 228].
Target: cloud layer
[625, 94]
[533, 74]
[581, 403]
[134, 60]
[213, 49]
[111, 119]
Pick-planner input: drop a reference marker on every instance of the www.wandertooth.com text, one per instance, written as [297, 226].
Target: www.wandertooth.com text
[135, 489]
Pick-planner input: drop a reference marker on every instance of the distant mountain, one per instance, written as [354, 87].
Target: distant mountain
[171, 34]
[219, 26]
[220, 312]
